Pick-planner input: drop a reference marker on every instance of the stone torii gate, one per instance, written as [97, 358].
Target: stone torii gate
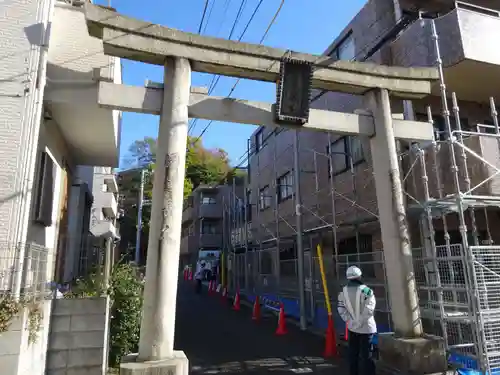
[175, 101]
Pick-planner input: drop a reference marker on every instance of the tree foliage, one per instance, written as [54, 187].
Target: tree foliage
[125, 291]
[203, 167]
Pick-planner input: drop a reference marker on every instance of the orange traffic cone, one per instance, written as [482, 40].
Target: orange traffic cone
[256, 309]
[281, 330]
[210, 287]
[190, 277]
[236, 303]
[346, 333]
[330, 340]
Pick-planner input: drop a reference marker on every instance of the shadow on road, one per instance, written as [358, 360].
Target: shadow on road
[217, 339]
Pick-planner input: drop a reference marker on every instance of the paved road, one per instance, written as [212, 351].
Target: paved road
[217, 339]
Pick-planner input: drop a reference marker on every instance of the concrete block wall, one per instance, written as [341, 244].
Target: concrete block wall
[18, 356]
[78, 340]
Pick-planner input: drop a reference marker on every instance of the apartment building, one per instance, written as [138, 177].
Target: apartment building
[102, 223]
[339, 205]
[51, 127]
[390, 33]
[205, 220]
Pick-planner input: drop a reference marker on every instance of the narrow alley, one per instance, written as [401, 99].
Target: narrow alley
[217, 339]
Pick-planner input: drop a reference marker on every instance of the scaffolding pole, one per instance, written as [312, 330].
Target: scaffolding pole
[300, 244]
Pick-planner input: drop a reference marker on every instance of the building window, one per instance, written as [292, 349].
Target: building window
[259, 140]
[439, 124]
[345, 50]
[355, 149]
[45, 191]
[358, 250]
[337, 163]
[208, 198]
[264, 198]
[285, 186]
[209, 227]
[342, 150]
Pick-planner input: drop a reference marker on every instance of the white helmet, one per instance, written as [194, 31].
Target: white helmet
[353, 272]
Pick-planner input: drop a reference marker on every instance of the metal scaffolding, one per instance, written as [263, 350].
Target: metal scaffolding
[450, 186]
[457, 272]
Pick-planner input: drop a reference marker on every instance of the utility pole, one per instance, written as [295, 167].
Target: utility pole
[139, 219]
[300, 247]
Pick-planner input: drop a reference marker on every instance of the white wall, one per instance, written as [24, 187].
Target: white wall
[22, 23]
[17, 355]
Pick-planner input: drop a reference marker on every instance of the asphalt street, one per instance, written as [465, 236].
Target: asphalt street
[217, 339]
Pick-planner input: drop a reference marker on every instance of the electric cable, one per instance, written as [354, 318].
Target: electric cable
[273, 20]
[203, 16]
[216, 78]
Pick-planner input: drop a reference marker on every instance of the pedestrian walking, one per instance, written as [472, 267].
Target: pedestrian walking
[198, 276]
[356, 306]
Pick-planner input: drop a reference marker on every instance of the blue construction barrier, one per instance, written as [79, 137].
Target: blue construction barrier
[291, 305]
[467, 365]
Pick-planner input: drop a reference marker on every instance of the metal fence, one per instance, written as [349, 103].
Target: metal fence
[459, 294]
[444, 295]
[263, 273]
[24, 269]
[92, 257]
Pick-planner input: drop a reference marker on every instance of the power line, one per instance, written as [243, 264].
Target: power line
[209, 15]
[261, 40]
[212, 85]
[216, 78]
[203, 16]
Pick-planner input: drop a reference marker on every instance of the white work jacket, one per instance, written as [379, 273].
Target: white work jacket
[356, 307]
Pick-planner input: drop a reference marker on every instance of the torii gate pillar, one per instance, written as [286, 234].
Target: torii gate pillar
[160, 294]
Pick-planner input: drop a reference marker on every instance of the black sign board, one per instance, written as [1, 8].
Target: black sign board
[293, 91]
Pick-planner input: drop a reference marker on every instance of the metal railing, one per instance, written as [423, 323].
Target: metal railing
[31, 272]
[92, 257]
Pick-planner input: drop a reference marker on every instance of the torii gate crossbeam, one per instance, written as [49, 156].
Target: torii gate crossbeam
[180, 53]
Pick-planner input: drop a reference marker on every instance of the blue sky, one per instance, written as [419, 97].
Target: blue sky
[303, 25]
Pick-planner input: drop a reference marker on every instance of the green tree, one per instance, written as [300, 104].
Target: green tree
[203, 166]
[125, 291]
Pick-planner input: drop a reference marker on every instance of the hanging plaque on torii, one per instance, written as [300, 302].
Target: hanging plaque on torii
[293, 91]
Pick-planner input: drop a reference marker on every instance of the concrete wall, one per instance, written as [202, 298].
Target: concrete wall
[73, 55]
[79, 337]
[19, 356]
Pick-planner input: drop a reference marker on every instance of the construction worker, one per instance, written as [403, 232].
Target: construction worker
[356, 305]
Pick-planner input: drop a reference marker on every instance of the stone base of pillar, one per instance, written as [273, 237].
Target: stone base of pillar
[425, 355]
[177, 365]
